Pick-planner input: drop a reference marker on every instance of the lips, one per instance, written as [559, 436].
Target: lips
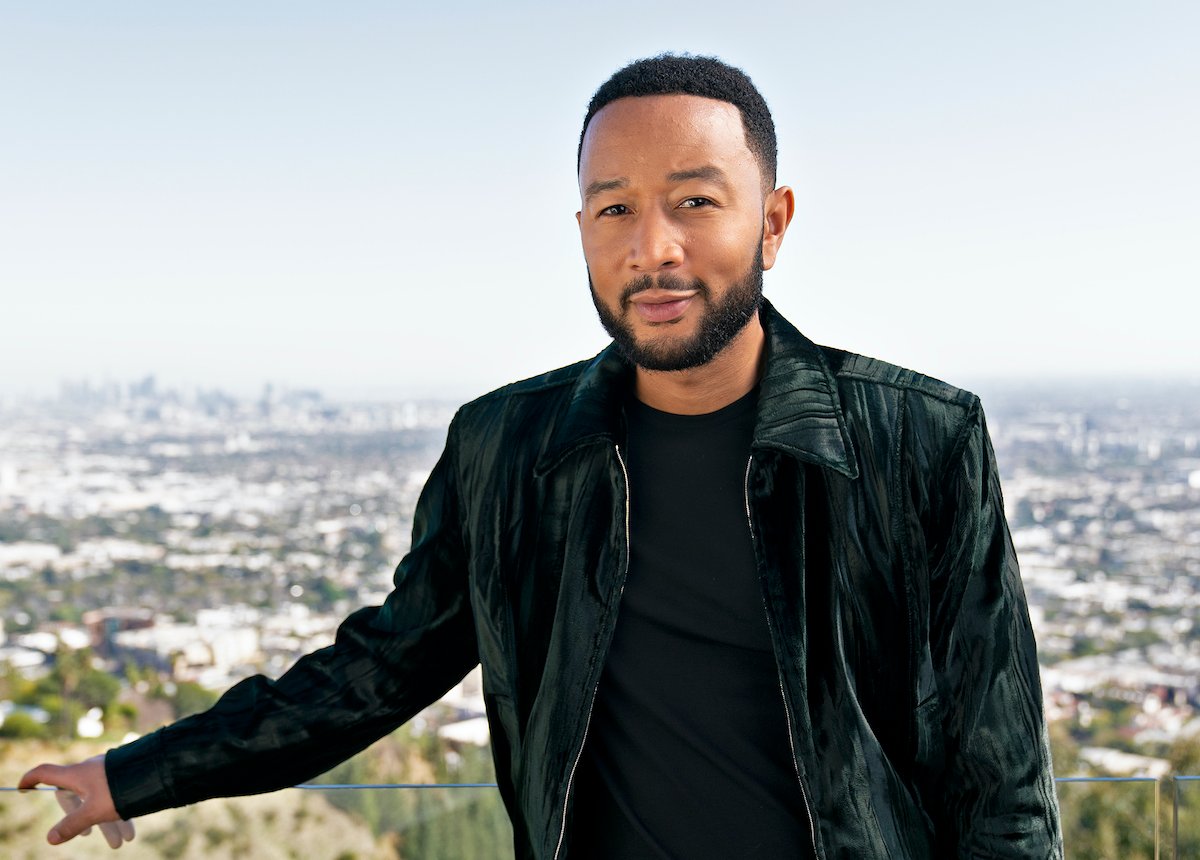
[661, 308]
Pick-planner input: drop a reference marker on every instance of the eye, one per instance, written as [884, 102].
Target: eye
[695, 203]
[615, 209]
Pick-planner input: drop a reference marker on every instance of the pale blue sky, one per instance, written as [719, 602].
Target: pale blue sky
[379, 201]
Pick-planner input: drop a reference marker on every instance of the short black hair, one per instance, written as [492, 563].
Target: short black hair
[684, 74]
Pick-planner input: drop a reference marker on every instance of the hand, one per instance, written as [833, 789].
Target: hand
[84, 795]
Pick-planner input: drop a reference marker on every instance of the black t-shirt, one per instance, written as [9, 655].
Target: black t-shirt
[687, 756]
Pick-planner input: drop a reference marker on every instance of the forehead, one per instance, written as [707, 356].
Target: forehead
[667, 133]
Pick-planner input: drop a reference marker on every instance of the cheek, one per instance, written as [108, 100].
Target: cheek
[605, 275]
[723, 252]
[601, 252]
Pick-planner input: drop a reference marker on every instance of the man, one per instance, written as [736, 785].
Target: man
[734, 594]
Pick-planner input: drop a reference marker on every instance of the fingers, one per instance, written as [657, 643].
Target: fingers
[49, 774]
[69, 801]
[84, 796]
[116, 833]
[126, 830]
[112, 834]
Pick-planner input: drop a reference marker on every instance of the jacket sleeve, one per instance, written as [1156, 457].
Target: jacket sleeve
[997, 790]
[386, 664]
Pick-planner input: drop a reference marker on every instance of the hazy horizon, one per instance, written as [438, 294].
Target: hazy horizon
[463, 391]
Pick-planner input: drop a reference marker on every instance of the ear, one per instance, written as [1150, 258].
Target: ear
[778, 209]
[579, 219]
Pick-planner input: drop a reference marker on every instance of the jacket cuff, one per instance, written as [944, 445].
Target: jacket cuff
[135, 779]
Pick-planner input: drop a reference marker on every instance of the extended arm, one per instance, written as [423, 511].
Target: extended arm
[387, 663]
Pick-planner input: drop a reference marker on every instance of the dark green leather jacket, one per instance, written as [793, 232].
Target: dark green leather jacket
[906, 663]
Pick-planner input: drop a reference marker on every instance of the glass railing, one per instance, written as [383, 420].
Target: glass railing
[426, 821]
[1117, 818]
[1110, 818]
[1185, 816]
[318, 822]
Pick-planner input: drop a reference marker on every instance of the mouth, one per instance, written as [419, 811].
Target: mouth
[660, 306]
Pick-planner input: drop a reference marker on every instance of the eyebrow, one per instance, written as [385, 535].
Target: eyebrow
[707, 173]
[602, 185]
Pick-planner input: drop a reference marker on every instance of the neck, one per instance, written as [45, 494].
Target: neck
[731, 374]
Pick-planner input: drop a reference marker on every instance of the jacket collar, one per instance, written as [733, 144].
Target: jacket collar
[798, 412]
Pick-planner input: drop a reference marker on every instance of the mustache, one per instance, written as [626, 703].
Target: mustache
[665, 281]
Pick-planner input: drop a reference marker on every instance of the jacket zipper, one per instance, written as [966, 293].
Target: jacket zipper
[562, 830]
[812, 829]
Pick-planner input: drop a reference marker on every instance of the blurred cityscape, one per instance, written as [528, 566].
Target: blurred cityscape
[183, 542]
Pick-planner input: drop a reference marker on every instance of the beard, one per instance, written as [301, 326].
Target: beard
[720, 322]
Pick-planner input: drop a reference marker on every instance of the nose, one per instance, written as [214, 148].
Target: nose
[655, 243]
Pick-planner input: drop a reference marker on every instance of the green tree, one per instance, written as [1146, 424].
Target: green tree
[72, 687]
[22, 726]
[191, 698]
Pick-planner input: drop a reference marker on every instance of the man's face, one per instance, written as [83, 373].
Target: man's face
[672, 227]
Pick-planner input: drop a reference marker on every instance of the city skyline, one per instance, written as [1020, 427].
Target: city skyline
[90, 392]
[377, 202]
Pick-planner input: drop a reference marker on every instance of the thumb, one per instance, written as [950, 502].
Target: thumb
[71, 825]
